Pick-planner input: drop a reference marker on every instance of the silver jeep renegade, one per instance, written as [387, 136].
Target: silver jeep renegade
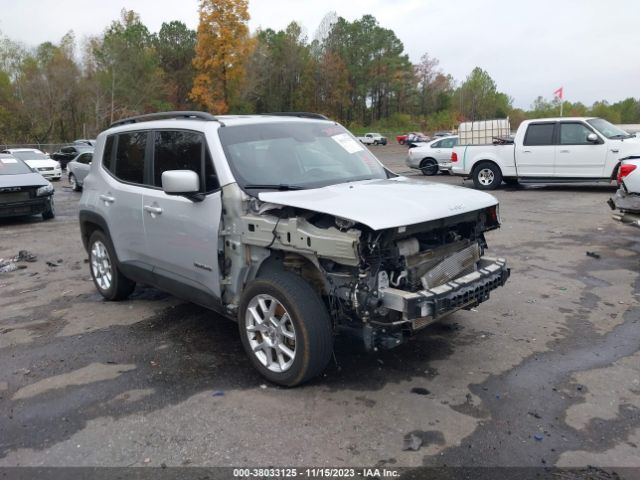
[286, 224]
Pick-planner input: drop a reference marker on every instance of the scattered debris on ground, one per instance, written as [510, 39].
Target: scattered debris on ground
[593, 255]
[12, 264]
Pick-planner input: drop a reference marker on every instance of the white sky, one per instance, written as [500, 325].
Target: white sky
[529, 47]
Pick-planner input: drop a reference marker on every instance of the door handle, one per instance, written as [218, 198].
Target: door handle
[153, 210]
[107, 198]
[564, 151]
[614, 150]
[526, 151]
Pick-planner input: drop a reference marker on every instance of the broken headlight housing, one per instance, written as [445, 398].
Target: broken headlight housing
[46, 190]
[344, 223]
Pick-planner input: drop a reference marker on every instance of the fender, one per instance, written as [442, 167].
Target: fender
[86, 218]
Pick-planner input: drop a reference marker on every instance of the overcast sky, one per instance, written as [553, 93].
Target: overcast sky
[529, 47]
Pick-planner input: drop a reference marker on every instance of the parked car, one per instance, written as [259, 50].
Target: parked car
[69, 152]
[23, 191]
[373, 139]
[77, 169]
[412, 137]
[287, 225]
[561, 150]
[432, 157]
[627, 198]
[38, 160]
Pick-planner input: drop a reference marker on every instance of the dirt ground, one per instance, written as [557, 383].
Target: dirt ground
[547, 372]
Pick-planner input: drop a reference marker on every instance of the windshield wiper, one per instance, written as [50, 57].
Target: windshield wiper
[621, 135]
[283, 187]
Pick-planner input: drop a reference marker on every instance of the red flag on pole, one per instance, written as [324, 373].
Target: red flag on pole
[558, 93]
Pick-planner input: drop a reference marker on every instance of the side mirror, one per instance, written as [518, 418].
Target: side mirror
[592, 137]
[181, 182]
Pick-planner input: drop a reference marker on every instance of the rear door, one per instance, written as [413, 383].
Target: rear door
[82, 165]
[120, 195]
[576, 157]
[536, 156]
[182, 235]
[442, 149]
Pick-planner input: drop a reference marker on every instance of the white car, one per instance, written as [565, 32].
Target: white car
[39, 161]
[432, 157]
[627, 198]
[373, 139]
[78, 168]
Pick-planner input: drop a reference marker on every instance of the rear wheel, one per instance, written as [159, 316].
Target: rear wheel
[429, 167]
[74, 183]
[285, 328]
[487, 176]
[107, 278]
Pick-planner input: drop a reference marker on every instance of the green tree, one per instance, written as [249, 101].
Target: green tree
[175, 45]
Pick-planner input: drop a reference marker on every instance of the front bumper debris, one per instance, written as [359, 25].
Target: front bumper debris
[426, 306]
[628, 207]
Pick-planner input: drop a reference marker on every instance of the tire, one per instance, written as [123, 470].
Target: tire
[74, 183]
[487, 176]
[401, 142]
[107, 278]
[429, 167]
[306, 333]
[50, 212]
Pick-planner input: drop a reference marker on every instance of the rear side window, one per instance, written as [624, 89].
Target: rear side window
[130, 156]
[183, 150]
[107, 156]
[539, 134]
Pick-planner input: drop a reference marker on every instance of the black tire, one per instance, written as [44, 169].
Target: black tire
[401, 142]
[74, 183]
[429, 167]
[50, 212]
[486, 176]
[311, 327]
[120, 287]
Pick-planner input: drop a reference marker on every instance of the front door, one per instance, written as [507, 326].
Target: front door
[182, 234]
[576, 157]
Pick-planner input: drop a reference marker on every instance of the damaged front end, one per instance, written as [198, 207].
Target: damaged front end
[381, 285]
[627, 206]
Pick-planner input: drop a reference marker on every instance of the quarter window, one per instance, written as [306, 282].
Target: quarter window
[130, 156]
[574, 134]
[539, 134]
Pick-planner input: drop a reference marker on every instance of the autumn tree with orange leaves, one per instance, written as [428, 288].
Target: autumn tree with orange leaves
[223, 45]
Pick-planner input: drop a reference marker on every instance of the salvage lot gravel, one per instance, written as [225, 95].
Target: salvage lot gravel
[547, 372]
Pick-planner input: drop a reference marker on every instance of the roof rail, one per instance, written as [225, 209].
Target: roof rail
[185, 115]
[317, 116]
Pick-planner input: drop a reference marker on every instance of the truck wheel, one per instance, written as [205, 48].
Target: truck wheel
[429, 167]
[107, 278]
[487, 176]
[285, 328]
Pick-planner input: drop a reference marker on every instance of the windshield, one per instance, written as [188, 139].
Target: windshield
[295, 155]
[30, 155]
[607, 129]
[13, 166]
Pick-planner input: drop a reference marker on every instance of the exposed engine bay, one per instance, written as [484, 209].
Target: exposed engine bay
[380, 285]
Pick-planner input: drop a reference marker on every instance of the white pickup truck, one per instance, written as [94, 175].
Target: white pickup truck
[373, 139]
[578, 149]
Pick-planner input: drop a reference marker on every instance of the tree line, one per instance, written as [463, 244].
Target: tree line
[354, 72]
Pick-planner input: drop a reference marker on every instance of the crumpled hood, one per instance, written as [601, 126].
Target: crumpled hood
[23, 180]
[390, 203]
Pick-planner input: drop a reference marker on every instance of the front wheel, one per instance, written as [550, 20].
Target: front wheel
[50, 212]
[74, 183]
[285, 328]
[487, 176]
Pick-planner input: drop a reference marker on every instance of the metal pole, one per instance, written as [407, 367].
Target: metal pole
[561, 103]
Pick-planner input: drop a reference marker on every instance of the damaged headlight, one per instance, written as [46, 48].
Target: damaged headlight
[46, 190]
[344, 223]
